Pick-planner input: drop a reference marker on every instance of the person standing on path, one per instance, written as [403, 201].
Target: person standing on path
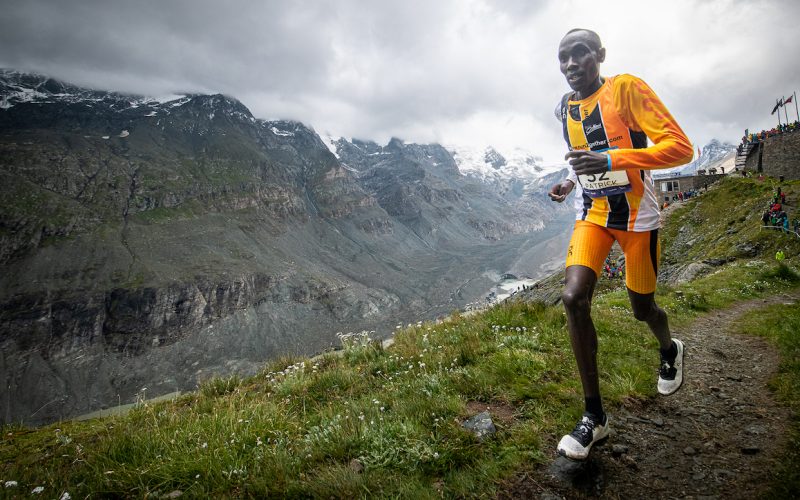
[606, 123]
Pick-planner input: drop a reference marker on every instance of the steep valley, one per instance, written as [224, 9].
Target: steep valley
[147, 246]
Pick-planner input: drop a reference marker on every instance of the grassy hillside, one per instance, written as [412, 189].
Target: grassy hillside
[726, 223]
[373, 421]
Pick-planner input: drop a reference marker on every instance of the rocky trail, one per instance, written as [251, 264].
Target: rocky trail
[719, 436]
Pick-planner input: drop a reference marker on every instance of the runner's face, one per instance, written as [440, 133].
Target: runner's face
[580, 62]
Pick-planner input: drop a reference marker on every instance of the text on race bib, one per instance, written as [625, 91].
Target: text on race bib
[605, 184]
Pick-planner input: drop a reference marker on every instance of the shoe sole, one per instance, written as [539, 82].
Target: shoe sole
[599, 442]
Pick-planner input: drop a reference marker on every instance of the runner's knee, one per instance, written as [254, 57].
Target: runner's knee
[646, 312]
[575, 300]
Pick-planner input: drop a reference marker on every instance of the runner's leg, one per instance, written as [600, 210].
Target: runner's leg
[577, 298]
[645, 309]
[642, 253]
[588, 249]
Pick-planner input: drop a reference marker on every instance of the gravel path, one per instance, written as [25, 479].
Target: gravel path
[719, 436]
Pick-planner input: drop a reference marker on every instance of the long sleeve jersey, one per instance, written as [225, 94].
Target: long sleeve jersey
[618, 119]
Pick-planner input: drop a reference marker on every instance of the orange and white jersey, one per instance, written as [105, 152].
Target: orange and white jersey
[618, 119]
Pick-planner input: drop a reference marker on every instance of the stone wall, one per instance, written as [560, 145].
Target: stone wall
[779, 155]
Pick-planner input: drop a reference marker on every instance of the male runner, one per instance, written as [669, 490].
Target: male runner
[606, 123]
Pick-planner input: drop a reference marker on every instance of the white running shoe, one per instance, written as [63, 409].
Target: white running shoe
[577, 444]
[670, 375]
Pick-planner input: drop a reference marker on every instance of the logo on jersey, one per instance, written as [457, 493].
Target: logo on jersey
[591, 128]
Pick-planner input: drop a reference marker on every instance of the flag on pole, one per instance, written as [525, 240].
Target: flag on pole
[698, 152]
[778, 104]
[788, 100]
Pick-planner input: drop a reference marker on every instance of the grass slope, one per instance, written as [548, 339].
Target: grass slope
[370, 421]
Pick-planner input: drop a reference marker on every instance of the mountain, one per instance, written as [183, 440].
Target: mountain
[157, 242]
[715, 154]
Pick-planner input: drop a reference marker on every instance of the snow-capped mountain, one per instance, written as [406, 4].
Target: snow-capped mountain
[715, 154]
[18, 88]
[513, 174]
[483, 162]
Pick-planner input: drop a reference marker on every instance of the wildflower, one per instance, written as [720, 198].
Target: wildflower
[65, 496]
[11, 484]
[382, 408]
[361, 417]
[37, 490]
[435, 454]
[204, 445]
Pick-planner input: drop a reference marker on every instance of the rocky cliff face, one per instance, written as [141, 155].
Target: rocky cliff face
[152, 244]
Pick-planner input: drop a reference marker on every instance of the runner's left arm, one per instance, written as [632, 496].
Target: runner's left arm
[642, 110]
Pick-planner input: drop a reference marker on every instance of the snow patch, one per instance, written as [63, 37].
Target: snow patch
[282, 133]
[330, 143]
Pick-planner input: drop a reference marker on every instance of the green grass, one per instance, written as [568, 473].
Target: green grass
[296, 428]
[780, 324]
[724, 222]
[372, 421]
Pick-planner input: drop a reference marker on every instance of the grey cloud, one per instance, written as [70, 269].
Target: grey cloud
[416, 69]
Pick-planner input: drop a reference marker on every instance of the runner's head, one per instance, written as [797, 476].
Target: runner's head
[580, 54]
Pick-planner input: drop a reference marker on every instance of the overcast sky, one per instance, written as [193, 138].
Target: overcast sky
[465, 72]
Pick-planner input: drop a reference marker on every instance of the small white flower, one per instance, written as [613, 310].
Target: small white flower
[37, 490]
[65, 496]
[204, 445]
[11, 484]
[435, 454]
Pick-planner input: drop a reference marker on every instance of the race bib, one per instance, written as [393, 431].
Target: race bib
[605, 184]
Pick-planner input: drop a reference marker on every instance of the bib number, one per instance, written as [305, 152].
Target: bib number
[605, 184]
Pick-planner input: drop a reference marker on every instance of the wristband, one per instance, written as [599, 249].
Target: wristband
[609, 161]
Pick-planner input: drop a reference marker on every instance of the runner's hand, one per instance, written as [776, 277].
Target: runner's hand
[560, 191]
[587, 162]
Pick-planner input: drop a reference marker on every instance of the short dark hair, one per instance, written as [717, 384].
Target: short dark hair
[594, 38]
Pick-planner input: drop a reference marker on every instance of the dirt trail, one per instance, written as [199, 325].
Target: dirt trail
[719, 436]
